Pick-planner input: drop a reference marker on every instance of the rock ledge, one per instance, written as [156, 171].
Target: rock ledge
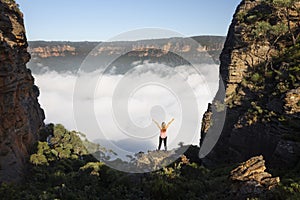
[250, 177]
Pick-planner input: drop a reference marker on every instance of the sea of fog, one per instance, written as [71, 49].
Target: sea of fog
[132, 130]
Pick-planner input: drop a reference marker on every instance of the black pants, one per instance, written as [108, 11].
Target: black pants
[165, 142]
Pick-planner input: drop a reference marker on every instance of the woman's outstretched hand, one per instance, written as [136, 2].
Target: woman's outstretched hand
[157, 124]
[170, 122]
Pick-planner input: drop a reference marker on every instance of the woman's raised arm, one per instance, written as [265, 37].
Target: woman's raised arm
[157, 124]
[170, 122]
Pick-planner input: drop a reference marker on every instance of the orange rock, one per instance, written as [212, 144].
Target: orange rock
[20, 113]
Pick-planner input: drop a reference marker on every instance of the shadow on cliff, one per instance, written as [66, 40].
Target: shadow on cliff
[259, 119]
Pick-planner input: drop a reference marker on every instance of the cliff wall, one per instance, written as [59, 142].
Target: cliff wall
[20, 113]
[260, 70]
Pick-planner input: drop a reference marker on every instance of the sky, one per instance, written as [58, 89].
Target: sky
[100, 20]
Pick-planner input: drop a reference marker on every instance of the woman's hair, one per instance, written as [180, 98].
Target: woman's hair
[163, 124]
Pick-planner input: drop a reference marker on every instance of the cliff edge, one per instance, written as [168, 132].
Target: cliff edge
[20, 113]
[260, 70]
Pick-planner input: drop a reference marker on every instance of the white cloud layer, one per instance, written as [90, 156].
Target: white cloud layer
[156, 91]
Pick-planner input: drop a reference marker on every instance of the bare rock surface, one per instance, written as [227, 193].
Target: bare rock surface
[251, 178]
[20, 113]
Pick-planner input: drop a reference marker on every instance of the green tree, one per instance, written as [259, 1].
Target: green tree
[284, 10]
[38, 159]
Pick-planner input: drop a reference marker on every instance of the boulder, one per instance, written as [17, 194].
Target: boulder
[250, 178]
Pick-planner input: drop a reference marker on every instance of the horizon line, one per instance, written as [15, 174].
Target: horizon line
[45, 40]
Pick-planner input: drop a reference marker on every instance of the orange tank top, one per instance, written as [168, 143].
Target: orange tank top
[163, 133]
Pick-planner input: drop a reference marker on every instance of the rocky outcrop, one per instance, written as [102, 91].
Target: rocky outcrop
[292, 101]
[206, 122]
[249, 179]
[154, 160]
[260, 71]
[20, 113]
[53, 51]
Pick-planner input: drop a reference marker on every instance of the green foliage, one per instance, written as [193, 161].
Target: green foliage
[94, 167]
[262, 28]
[257, 108]
[64, 144]
[241, 16]
[256, 77]
[172, 172]
[269, 82]
[278, 29]
[53, 177]
[38, 159]
[289, 187]
[270, 23]
[220, 107]
[282, 3]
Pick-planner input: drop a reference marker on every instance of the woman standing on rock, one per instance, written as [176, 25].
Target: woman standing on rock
[163, 132]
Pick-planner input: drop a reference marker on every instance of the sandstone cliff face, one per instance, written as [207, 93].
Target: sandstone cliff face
[260, 70]
[54, 51]
[68, 56]
[20, 113]
[61, 49]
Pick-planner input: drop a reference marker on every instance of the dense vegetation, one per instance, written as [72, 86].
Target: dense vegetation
[267, 84]
[62, 169]
[60, 166]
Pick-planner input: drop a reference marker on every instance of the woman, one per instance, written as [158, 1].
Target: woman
[163, 132]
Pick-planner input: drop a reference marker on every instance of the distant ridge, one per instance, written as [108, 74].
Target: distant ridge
[63, 56]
